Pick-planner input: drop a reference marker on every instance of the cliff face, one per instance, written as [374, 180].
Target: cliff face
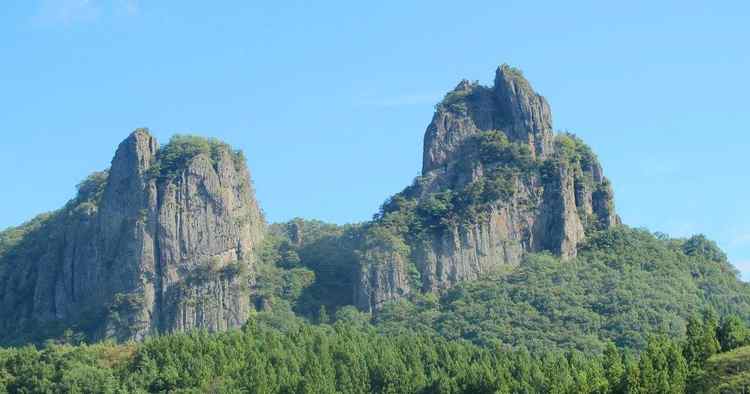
[166, 239]
[496, 184]
[141, 250]
[510, 105]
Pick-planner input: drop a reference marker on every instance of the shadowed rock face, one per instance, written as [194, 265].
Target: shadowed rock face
[549, 208]
[148, 255]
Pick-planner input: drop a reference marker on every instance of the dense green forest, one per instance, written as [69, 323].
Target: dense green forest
[625, 285]
[622, 317]
[350, 356]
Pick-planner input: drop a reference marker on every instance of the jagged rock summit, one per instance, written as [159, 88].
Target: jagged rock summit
[496, 183]
[511, 105]
[163, 241]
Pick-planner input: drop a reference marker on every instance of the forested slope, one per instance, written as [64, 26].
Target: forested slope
[351, 357]
[624, 285]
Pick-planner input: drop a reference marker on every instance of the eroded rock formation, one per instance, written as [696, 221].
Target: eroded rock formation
[141, 250]
[510, 185]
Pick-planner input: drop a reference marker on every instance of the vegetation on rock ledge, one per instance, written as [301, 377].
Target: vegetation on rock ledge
[181, 149]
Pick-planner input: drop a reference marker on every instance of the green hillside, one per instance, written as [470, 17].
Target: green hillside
[625, 285]
[728, 373]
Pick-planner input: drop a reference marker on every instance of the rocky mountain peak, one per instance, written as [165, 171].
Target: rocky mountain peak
[137, 151]
[527, 113]
[126, 185]
[164, 241]
[465, 86]
[510, 106]
[496, 185]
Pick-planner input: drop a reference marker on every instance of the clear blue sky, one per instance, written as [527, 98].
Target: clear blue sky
[330, 102]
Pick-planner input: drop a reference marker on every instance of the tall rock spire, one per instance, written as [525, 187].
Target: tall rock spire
[524, 115]
[511, 106]
[496, 184]
[161, 242]
[127, 233]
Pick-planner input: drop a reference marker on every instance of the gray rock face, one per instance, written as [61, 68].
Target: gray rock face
[389, 281]
[147, 255]
[550, 209]
[511, 105]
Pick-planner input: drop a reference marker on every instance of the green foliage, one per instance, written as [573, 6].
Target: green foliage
[275, 284]
[614, 367]
[434, 209]
[572, 150]
[92, 188]
[663, 369]
[214, 269]
[274, 353]
[62, 369]
[726, 373]
[411, 216]
[516, 74]
[347, 357]
[454, 98]
[124, 305]
[732, 333]
[308, 264]
[24, 234]
[494, 147]
[25, 240]
[624, 285]
[573, 157]
[181, 149]
[352, 316]
[700, 246]
[701, 341]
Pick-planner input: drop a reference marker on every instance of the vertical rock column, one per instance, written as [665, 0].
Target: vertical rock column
[127, 219]
[209, 228]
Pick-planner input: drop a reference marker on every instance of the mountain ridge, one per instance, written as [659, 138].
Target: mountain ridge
[132, 260]
[489, 154]
[171, 238]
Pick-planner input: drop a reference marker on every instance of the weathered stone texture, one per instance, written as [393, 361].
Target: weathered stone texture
[545, 213]
[151, 256]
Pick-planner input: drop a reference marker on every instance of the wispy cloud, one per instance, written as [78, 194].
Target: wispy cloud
[70, 12]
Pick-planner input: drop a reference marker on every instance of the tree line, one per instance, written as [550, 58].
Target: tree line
[350, 356]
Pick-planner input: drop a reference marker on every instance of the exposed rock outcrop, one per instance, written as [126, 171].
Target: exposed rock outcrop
[166, 239]
[483, 140]
[389, 281]
[142, 249]
[511, 105]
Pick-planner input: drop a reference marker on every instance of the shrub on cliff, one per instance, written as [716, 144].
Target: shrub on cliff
[181, 149]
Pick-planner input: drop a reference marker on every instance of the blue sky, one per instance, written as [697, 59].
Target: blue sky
[330, 101]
